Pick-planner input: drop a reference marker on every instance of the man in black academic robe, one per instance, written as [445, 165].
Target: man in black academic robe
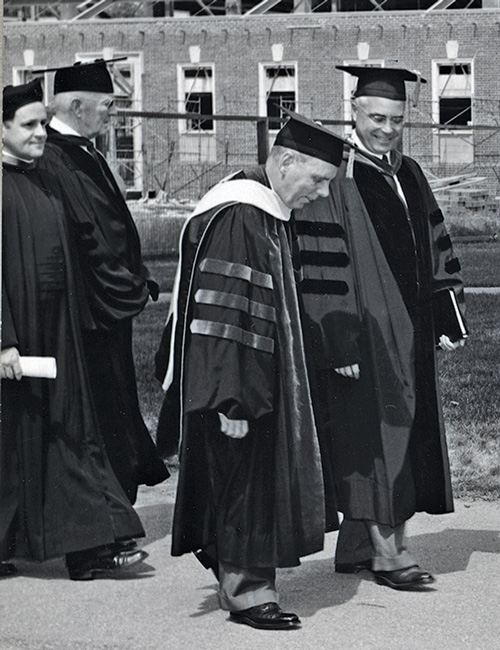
[116, 281]
[58, 492]
[250, 491]
[378, 271]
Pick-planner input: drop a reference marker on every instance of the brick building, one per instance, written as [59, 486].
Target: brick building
[248, 66]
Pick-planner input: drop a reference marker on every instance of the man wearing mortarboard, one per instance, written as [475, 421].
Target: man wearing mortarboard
[117, 283]
[58, 493]
[381, 287]
[250, 494]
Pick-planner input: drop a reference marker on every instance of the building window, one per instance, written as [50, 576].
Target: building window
[197, 97]
[127, 130]
[278, 90]
[24, 75]
[453, 111]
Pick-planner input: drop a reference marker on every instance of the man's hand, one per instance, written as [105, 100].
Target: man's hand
[233, 428]
[352, 372]
[10, 366]
[447, 344]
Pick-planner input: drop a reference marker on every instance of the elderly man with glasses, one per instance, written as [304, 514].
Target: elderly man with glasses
[381, 292]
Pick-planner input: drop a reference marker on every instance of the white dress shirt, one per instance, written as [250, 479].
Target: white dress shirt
[356, 140]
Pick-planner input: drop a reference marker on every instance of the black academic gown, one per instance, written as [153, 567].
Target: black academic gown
[58, 493]
[371, 268]
[239, 351]
[116, 284]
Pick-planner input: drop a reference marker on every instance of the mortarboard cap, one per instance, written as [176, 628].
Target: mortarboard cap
[304, 135]
[89, 77]
[16, 96]
[381, 82]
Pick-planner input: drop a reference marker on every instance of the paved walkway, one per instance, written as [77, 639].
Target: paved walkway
[171, 604]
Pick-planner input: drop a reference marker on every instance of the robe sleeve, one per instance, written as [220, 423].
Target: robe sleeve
[231, 322]
[114, 292]
[445, 265]
[330, 313]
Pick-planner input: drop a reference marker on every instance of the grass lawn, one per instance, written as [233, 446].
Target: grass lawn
[163, 271]
[480, 263]
[148, 328]
[470, 381]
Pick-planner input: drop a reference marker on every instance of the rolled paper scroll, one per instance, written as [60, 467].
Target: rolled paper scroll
[45, 367]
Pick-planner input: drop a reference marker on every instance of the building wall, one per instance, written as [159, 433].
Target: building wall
[236, 45]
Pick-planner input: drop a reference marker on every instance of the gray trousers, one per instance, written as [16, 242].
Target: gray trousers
[243, 588]
[361, 540]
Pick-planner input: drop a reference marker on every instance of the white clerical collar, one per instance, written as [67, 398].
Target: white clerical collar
[9, 157]
[62, 127]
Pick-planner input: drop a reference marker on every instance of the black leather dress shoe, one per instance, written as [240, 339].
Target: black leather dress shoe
[266, 617]
[409, 578]
[366, 565]
[106, 564]
[7, 569]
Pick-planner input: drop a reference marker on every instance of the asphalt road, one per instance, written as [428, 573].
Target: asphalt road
[171, 603]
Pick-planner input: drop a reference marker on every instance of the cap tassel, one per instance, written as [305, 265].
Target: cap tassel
[416, 91]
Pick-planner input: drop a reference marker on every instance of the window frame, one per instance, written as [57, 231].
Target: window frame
[263, 92]
[184, 129]
[438, 134]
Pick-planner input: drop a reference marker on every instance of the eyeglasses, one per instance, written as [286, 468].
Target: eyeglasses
[381, 120]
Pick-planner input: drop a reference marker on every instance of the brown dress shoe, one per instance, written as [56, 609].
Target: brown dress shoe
[410, 578]
[266, 617]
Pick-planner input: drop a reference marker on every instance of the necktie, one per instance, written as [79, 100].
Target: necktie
[388, 175]
[391, 178]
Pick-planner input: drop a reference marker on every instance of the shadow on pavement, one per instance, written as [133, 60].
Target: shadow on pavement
[315, 585]
[210, 603]
[450, 550]
[157, 521]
